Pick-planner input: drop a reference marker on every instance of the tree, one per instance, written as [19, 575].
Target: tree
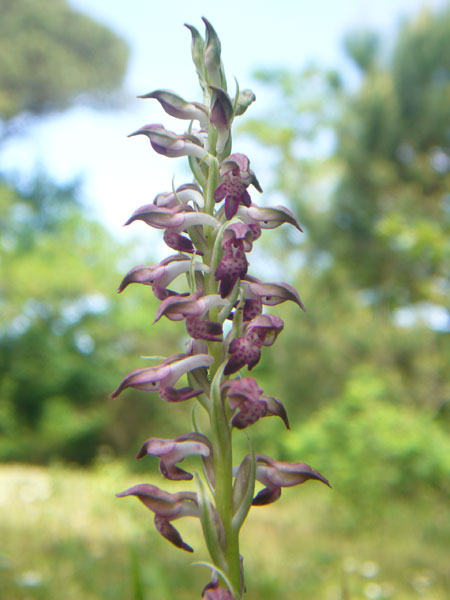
[367, 170]
[386, 222]
[59, 349]
[61, 345]
[52, 56]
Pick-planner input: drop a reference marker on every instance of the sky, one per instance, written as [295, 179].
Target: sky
[121, 174]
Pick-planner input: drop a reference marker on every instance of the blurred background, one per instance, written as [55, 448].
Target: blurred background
[351, 129]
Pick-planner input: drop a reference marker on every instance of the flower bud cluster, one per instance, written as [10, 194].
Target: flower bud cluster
[212, 224]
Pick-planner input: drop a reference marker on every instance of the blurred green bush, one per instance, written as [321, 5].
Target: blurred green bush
[374, 451]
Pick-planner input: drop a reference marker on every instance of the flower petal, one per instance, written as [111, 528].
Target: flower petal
[168, 531]
[175, 106]
[171, 144]
[268, 218]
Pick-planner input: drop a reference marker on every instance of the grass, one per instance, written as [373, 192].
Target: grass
[64, 536]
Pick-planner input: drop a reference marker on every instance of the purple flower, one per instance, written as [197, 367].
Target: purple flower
[173, 219]
[266, 328]
[162, 377]
[176, 218]
[268, 218]
[174, 451]
[236, 177]
[172, 144]
[159, 276]
[270, 294]
[167, 507]
[193, 308]
[241, 235]
[276, 474]
[246, 350]
[232, 266]
[250, 403]
[188, 192]
[237, 239]
[175, 106]
[199, 329]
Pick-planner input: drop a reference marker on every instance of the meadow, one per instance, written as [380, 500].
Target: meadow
[65, 536]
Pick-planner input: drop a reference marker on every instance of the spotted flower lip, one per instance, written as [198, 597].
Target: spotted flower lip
[232, 266]
[237, 240]
[270, 294]
[162, 377]
[268, 218]
[246, 350]
[163, 274]
[276, 474]
[175, 106]
[236, 176]
[171, 144]
[174, 451]
[167, 507]
[250, 403]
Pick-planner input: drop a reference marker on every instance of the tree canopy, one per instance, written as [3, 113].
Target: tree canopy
[51, 54]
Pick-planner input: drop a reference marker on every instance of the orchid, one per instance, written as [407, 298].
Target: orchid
[188, 192]
[166, 507]
[161, 275]
[249, 402]
[175, 106]
[268, 218]
[174, 451]
[236, 177]
[171, 144]
[213, 225]
[246, 350]
[276, 474]
[164, 376]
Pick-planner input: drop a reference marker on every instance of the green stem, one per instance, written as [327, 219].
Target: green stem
[220, 421]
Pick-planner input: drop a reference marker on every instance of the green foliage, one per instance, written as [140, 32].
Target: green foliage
[50, 54]
[61, 345]
[375, 451]
[386, 222]
[367, 172]
[389, 212]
